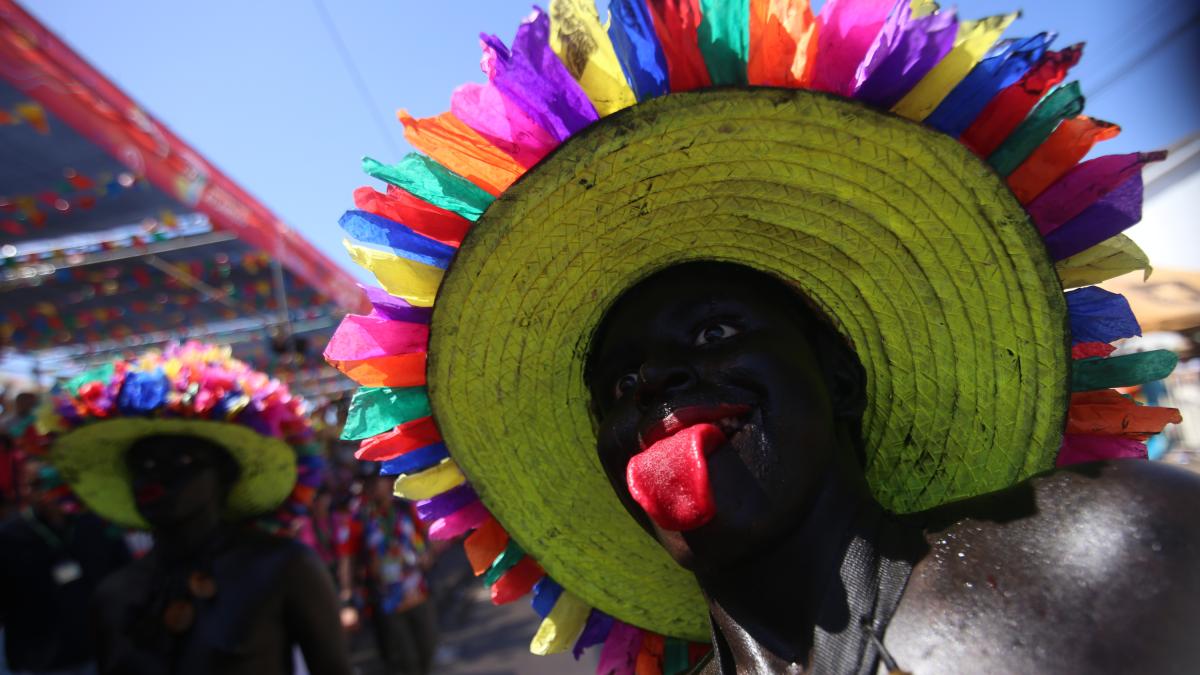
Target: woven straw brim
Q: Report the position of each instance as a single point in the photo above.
(919, 252)
(92, 459)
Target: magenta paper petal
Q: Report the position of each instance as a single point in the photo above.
(489, 112)
(459, 522)
(619, 655)
(846, 29)
(366, 337)
(1079, 448)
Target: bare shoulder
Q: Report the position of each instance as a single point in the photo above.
(1091, 568)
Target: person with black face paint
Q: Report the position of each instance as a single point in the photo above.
(217, 594)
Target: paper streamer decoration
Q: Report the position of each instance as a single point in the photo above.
(375, 410)
(1003, 66)
(724, 39)
(429, 482)
(405, 438)
(677, 25)
(562, 624)
(432, 182)
(619, 655)
(1107, 260)
(1069, 143)
(1122, 371)
(459, 523)
(459, 148)
(782, 48)
(404, 278)
(484, 545)
(414, 461)
(1062, 103)
(1077, 449)
(1110, 215)
(532, 76)
(545, 594)
(1098, 315)
(579, 40)
(372, 229)
(1108, 413)
(637, 48)
(508, 559)
(972, 42)
(1083, 186)
(906, 51)
(502, 122)
(387, 306)
(401, 206)
(516, 582)
(446, 503)
(595, 632)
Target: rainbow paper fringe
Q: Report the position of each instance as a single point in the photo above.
(1003, 99)
(200, 382)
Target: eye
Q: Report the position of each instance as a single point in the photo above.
(714, 333)
(624, 385)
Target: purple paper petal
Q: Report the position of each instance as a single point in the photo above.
(387, 306)
(532, 76)
(1083, 186)
(595, 631)
(446, 503)
(1108, 217)
(906, 52)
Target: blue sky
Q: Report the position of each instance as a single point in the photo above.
(262, 91)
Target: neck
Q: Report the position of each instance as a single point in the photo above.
(187, 539)
(765, 609)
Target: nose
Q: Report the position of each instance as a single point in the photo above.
(658, 377)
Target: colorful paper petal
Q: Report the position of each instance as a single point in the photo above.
(403, 370)
(782, 47)
(1108, 413)
(503, 123)
(582, 45)
(372, 229)
(532, 76)
(429, 482)
(545, 594)
(595, 632)
(384, 305)
(508, 559)
(1107, 260)
(972, 42)
(677, 25)
(1011, 106)
(405, 438)
(619, 655)
(375, 410)
(632, 33)
(846, 29)
(415, 460)
(517, 582)
(415, 213)
(1098, 315)
(484, 545)
(363, 337)
(1004, 65)
(649, 658)
(1091, 350)
(414, 282)
(433, 183)
(1077, 449)
(1122, 371)
(459, 148)
(905, 52)
(1112, 214)
(724, 39)
(440, 506)
(562, 625)
(1083, 186)
(1070, 142)
(1062, 103)
(460, 522)
(675, 657)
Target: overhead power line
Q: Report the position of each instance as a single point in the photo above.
(356, 77)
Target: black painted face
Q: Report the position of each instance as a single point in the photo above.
(707, 336)
(175, 477)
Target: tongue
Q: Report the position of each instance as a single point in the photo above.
(669, 479)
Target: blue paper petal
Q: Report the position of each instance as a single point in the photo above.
(641, 57)
(372, 229)
(411, 462)
(142, 393)
(1100, 316)
(545, 594)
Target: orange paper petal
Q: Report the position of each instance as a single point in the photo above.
(459, 148)
(1107, 413)
(781, 42)
(402, 370)
(649, 659)
(1069, 143)
(484, 544)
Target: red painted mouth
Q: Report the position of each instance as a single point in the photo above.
(149, 493)
(729, 417)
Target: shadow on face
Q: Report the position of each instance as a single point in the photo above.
(177, 477)
(692, 343)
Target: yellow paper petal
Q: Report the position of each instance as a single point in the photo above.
(561, 626)
(1107, 260)
(974, 39)
(923, 8)
(430, 482)
(403, 278)
(581, 42)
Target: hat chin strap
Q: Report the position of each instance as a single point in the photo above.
(669, 479)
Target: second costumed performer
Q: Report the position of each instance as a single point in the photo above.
(746, 338)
